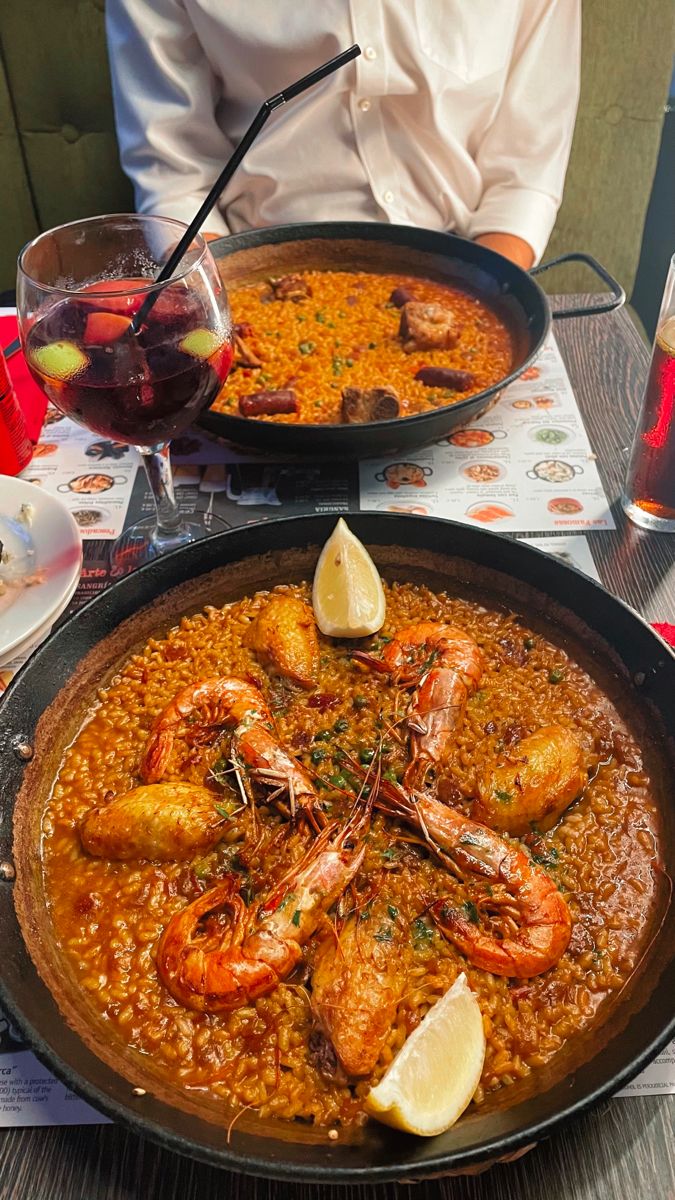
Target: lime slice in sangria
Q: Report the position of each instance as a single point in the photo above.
(59, 360)
(200, 343)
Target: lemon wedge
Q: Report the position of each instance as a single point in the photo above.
(347, 595)
(435, 1074)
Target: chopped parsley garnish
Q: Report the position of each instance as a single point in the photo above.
(471, 911)
(384, 934)
(549, 858)
(393, 911)
(220, 771)
(390, 854)
(503, 797)
(296, 917)
(422, 933)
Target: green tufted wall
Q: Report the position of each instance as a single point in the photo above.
(627, 60)
(58, 132)
(58, 156)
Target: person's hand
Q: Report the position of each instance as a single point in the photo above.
(516, 249)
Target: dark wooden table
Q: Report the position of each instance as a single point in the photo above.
(626, 1148)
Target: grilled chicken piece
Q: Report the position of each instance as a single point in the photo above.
(532, 783)
(285, 635)
(166, 822)
(427, 327)
(290, 287)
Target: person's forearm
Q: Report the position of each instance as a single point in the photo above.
(512, 247)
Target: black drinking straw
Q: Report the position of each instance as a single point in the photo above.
(265, 110)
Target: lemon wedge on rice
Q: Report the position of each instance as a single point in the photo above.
(435, 1074)
(347, 595)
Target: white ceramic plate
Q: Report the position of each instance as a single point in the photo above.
(41, 542)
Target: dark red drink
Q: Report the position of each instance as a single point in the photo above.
(651, 478)
(138, 388)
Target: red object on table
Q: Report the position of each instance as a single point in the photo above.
(666, 630)
(32, 400)
(15, 449)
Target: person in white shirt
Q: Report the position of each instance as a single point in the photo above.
(457, 116)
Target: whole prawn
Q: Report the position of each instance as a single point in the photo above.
(226, 701)
(531, 901)
(445, 665)
(218, 969)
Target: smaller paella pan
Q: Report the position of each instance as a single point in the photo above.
(357, 338)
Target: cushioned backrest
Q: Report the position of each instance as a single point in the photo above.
(57, 69)
(627, 57)
(17, 215)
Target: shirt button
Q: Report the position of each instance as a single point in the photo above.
(364, 105)
(370, 53)
(388, 197)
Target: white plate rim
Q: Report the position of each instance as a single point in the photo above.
(14, 492)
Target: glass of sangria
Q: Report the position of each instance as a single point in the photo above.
(649, 496)
(129, 359)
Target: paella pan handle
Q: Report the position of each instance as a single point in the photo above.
(615, 300)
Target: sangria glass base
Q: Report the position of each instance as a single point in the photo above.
(647, 520)
(144, 542)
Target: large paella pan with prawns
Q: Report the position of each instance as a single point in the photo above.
(271, 856)
(292, 866)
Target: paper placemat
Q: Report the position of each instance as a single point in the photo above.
(525, 466)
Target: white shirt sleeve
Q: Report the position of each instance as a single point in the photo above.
(523, 156)
(165, 97)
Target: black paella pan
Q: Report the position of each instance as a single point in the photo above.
(511, 292)
(45, 705)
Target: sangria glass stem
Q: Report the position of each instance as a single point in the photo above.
(157, 464)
